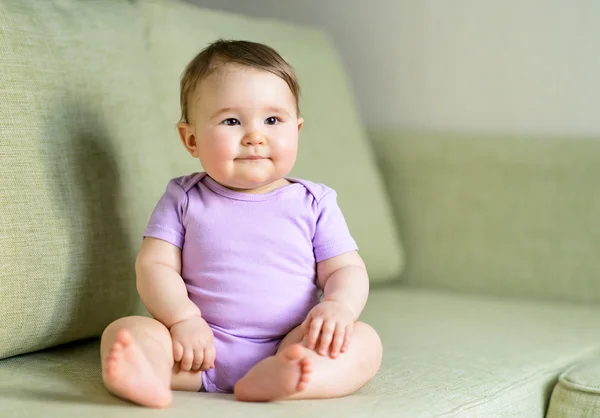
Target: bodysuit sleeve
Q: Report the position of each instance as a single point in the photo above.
(166, 221)
(332, 236)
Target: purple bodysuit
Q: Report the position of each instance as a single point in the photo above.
(249, 261)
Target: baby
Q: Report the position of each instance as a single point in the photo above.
(253, 280)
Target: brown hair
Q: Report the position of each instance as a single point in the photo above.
(246, 53)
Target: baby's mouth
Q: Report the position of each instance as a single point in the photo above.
(252, 158)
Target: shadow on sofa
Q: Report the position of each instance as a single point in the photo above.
(88, 197)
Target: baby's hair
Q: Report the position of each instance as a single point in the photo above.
(246, 53)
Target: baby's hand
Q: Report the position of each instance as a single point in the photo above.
(193, 344)
(333, 322)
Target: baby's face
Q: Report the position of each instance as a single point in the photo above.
(246, 127)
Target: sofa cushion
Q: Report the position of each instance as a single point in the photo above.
(444, 355)
(577, 393)
(497, 214)
(77, 176)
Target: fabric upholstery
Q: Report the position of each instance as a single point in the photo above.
(88, 107)
(75, 183)
(445, 355)
(577, 393)
(506, 216)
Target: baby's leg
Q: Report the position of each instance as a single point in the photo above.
(137, 362)
(297, 372)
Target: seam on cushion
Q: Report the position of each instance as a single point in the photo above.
(494, 396)
(576, 386)
(565, 380)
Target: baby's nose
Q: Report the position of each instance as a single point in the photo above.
(253, 138)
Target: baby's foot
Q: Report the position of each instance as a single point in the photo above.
(127, 373)
(276, 377)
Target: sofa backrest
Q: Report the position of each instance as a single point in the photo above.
(88, 111)
(498, 215)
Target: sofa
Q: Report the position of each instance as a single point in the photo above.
(483, 250)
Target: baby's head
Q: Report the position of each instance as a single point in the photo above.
(240, 114)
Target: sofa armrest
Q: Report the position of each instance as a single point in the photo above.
(577, 393)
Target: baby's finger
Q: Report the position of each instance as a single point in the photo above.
(314, 331)
(206, 363)
(338, 340)
(177, 351)
(198, 359)
(210, 355)
(347, 337)
(326, 336)
(186, 360)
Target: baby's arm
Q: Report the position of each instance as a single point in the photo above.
(344, 279)
(345, 283)
(161, 288)
(159, 282)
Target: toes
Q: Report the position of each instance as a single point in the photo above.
(117, 347)
(113, 357)
(116, 350)
(111, 367)
(304, 376)
(307, 368)
(124, 337)
(305, 372)
(293, 352)
(303, 380)
(306, 363)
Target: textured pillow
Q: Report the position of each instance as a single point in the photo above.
(76, 114)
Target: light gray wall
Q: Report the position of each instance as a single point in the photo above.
(525, 66)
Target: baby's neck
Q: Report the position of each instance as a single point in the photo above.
(263, 189)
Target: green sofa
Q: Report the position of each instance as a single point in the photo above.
(483, 251)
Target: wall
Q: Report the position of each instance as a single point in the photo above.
(530, 66)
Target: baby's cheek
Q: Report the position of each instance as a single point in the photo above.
(287, 148)
(222, 147)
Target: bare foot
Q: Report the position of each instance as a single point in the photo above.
(276, 377)
(128, 374)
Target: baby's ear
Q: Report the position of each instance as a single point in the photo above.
(300, 122)
(187, 135)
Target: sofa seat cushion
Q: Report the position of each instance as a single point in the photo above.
(444, 355)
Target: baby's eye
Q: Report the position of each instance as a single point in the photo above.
(231, 122)
(272, 120)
